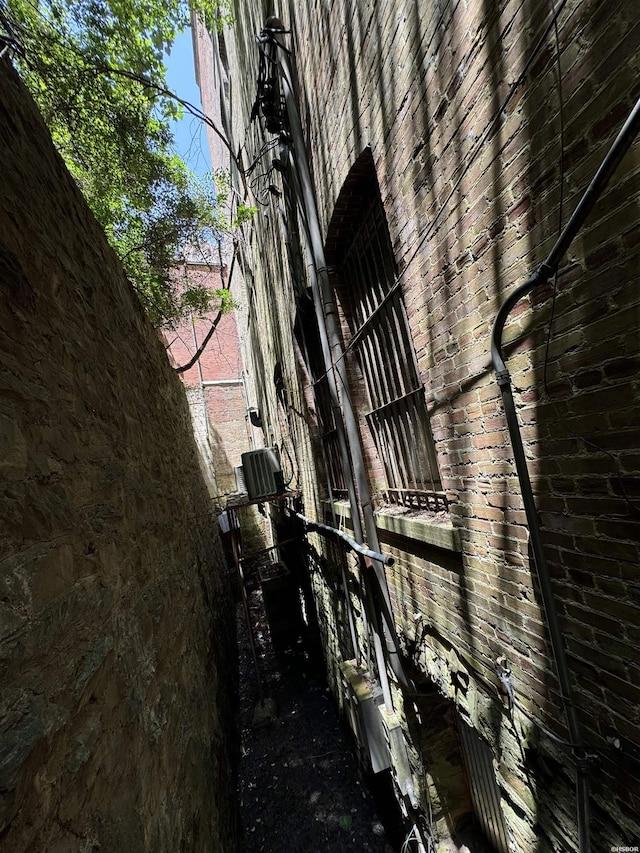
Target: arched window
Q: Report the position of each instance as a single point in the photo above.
(377, 331)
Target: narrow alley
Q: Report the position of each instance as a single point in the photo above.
(320, 472)
(300, 790)
(301, 787)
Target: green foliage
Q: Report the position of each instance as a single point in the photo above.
(95, 68)
(218, 15)
(241, 213)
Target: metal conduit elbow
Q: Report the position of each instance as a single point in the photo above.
(540, 276)
(600, 180)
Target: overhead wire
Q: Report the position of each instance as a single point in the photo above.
(561, 199)
(470, 160)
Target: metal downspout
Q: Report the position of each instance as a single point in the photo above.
(345, 456)
(345, 586)
(337, 415)
(327, 318)
(540, 277)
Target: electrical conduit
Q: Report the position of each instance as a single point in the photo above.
(540, 277)
(326, 312)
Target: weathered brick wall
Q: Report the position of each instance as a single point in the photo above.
(215, 387)
(226, 411)
(221, 358)
(117, 665)
(471, 187)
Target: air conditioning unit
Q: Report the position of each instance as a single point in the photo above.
(262, 473)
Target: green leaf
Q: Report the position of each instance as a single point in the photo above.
(345, 822)
(96, 69)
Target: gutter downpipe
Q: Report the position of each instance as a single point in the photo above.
(617, 151)
(326, 312)
(336, 412)
(345, 586)
(345, 458)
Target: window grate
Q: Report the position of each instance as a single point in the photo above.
(432, 501)
(397, 418)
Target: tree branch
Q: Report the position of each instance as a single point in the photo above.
(65, 42)
(189, 107)
(214, 323)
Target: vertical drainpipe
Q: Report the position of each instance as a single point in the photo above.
(317, 267)
(326, 311)
(345, 587)
(593, 192)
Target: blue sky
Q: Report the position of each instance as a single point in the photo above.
(190, 136)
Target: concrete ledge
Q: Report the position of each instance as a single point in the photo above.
(359, 679)
(422, 528)
(442, 534)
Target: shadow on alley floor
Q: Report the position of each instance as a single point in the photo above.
(299, 784)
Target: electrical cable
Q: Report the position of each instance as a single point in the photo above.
(266, 146)
(561, 199)
(269, 36)
(410, 837)
(471, 157)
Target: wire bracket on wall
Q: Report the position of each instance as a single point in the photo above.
(269, 102)
(504, 674)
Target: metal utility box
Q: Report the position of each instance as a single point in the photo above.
(363, 696)
(262, 473)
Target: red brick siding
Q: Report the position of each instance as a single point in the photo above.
(221, 358)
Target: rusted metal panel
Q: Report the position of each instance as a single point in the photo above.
(485, 792)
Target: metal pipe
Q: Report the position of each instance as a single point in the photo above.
(319, 279)
(333, 396)
(234, 527)
(595, 189)
(327, 315)
(345, 586)
(351, 542)
(345, 439)
(542, 275)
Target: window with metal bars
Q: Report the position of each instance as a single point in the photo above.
(308, 337)
(397, 414)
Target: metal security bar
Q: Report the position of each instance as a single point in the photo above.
(485, 792)
(330, 440)
(432, 501)
(397, 416)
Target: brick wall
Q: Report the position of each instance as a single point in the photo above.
(226, 411)
(215, 386)
(221, 357)
(470, 172)
(116, 649)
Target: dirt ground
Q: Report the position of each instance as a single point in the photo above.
(300, 788)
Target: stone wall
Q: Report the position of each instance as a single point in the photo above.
(117, 672)
(484, 124)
